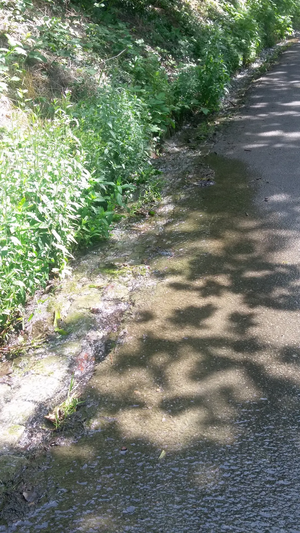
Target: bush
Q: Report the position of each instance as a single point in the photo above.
(42, 180)
(273, 20)
(201, 86)
(114, 132)
(60, 182)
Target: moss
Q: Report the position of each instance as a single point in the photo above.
(15, 431)
(54, 305)
(49, 366)
(69, 348)
(114, 270)
(80, 322)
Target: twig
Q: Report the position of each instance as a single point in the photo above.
(114, 57)
(20, 348)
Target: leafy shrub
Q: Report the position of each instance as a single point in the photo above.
(201, 86)
(242, 35)
(60, 182)
(114, 132)
(42, 180)
(151, 83)
(273, 23)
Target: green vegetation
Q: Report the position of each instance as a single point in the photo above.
(88, 89)
(66, 409)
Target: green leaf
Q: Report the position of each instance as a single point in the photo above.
(162, 455)
(15, 241)
(56, 235)
(36, 55)
(30, 317)
(3, 86)
(21, 203)
(56, 318)
(11, 41)
(20, 51)
(205, 110)
(63, 249)
(61, 331)
(19, 283)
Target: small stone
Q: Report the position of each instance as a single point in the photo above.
(129, 510)
(5, 369)
(30, 496)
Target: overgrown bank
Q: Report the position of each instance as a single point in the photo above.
(95, 86)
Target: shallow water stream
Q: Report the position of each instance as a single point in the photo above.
(193, 423)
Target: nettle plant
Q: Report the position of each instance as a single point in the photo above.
(42, 181)
(201, 85)
(114, 131)
(60, 182)
(13, 57)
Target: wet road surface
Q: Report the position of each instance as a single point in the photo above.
(193, 424)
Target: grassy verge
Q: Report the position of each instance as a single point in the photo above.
(88, 89)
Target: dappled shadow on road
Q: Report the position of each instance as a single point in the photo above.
(203, 395)
(225, 311)
(265, 135)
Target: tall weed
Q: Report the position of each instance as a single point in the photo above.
(114, 132)
(42, 180)
(200, 86)
(60, 182)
